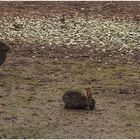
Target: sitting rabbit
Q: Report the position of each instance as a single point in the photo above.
(76, 100)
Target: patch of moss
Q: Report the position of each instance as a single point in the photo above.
(30, 133)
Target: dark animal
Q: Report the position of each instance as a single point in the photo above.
(3, 51)
(76, 100)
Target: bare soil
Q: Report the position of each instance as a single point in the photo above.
(34, 78)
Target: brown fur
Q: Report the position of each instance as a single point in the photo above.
(76, 100)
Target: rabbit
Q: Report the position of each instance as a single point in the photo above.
(3, 51)
(76, 100)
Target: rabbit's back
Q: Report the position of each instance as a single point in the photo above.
(74, 99)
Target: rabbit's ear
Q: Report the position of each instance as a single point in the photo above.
(88, 92)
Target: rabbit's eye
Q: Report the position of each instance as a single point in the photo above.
(91, 101)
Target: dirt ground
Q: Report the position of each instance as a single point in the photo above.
(34, 78)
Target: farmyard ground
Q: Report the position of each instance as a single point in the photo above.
(46, 59)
